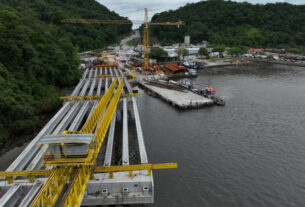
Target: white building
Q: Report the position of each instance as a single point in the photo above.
(171, 52)
(187, 40)
(214, 54)
(192, 50)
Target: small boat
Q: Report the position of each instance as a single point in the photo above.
(218, 101)
(209, 92)
(192, 65)
(185, 83)
(192, 71)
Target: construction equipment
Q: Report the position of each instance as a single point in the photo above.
(70, 156)
(145, 33)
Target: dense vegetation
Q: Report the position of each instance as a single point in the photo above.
(157, 53)
(38, 55)
(235, 24)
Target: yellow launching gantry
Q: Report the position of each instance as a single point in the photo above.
(71, 156)
(145, 35)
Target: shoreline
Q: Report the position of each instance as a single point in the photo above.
(251, 61)
(278, 62)
(22, 140)
(10, 143)
(228, 62)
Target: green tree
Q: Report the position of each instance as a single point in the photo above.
(270, 57)
(220, 49)
(235, 24)
(236, 51)
(203, 51)
(157, 53)
(38, 55)
(182, 52)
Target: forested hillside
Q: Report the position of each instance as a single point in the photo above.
(38, 55)
(235, 24)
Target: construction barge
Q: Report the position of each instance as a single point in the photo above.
(174, 94)
(207, 92)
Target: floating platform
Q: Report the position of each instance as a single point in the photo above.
(182, 99)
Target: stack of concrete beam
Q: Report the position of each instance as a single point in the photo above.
(103, 190)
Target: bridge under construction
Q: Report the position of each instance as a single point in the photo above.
(90, 153)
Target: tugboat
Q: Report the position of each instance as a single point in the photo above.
(210, 93)
(192, 65)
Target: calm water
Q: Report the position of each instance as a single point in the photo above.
(249, 153)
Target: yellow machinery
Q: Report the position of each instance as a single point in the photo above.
(145, 35)
(73, 155)
(77, 168)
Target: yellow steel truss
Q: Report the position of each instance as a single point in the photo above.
(106, 75)
(79, 170)
(90, 124)
(103, 127)
(130, 168)
(106, 66)
(76, 191)
(51, 190)
(28, 173)
(132, 76)
(108, 169)
(83, 98)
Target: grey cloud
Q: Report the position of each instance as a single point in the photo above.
(123, 7)
(134, 9)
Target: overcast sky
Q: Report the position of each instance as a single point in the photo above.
(134, 9)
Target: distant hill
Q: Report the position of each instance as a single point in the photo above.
(38, 55)
(235, 24)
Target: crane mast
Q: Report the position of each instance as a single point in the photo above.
(145, 32)
(146, 41)
(64, 165)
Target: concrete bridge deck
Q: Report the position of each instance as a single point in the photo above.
(123, 145)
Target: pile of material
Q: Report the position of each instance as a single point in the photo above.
(174, 68)
(163, 84)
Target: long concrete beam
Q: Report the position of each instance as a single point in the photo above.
(78, 120)
(125, 146)
(78, 87)
(93, 84)
(35, 163)
(142, 148)
(85, 88)
(122, 189)
(26, 201)
(27, 154)
(90, 73)
(68, 118)
(85, 73)
(109, 148)
(7, 198)
(99, 87)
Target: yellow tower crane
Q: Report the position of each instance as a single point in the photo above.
(72, 159)
(145, 34)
